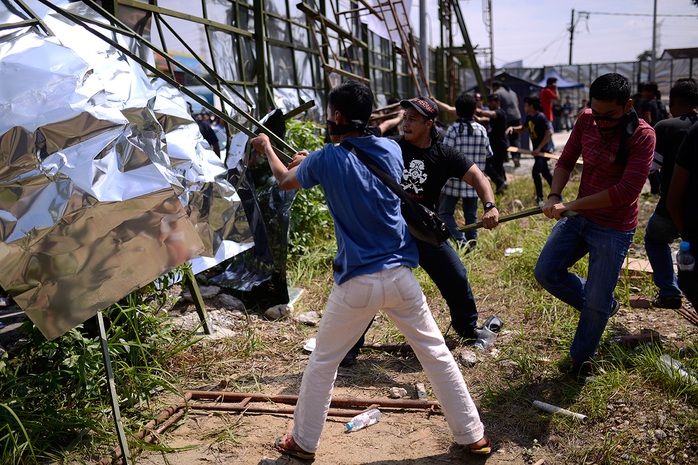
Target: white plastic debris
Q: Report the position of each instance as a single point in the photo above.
(309, 345)
(675, 368)
(554, 409)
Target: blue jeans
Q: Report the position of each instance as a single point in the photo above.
(570, 240)
(659, 234)
(447, 207)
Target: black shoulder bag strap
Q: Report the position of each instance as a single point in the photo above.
(423, 224)
(381, 174)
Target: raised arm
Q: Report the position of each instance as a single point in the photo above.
(286, 178)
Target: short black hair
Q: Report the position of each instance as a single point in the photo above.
(493, 98)
(610, 86)
(685, 90)
(650, 87)
(465, 106)
(354, 100)
(551, 80)
(534, 101)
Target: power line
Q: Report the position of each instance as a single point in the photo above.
(635, 14)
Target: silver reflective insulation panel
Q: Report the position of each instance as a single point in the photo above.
(104, 184)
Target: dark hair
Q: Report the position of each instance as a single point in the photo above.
(534, 101)
(393, 100)
(354, 100)
(685, 90)
(551, 80)
(650, 87)
(610, 86)
(493, 98)
(465, 106)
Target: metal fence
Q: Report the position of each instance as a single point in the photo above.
(270, 55)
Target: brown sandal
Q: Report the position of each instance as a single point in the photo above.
(286, 445)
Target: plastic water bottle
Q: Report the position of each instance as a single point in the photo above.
(684, 258)
(364, 419)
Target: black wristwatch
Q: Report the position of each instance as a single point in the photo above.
(489, 206)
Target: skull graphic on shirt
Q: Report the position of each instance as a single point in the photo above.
(414, 176)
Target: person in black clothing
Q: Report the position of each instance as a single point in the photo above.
(661, 230)
(206, 131)
(651, 112)
(651, 107)
(509, 102)
(541, 132)
(681, 203)
(428, 165)
(498, 141)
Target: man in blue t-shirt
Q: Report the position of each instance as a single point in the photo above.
(375, 254)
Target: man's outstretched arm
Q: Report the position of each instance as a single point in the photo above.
(286, 178)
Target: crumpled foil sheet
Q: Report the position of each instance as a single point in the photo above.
(104, 186)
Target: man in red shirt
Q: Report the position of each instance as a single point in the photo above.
(617, 149)
(548, 95)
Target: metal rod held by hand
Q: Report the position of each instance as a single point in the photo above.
(514, 216)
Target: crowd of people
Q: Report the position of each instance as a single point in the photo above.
(372, 267)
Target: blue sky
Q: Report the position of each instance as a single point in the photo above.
(536, 31)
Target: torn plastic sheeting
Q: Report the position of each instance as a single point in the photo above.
(92, 206)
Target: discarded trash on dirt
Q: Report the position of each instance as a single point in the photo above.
(310, 345)
(513, 251)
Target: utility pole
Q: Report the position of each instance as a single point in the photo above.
(654, 42)
(424, 43)
(489, 23)
(571, 35)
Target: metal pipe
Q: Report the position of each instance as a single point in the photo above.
(554, 409)
(504, 218)
(114, 398)
(223, 396)
(514, 216)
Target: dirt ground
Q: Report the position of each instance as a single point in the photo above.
(404, 436)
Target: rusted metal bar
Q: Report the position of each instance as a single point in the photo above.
(223, 396)
(690, 316)
(222, 403)
(117, 457)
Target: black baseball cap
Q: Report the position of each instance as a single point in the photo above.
(423, 105)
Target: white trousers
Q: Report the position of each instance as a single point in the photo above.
(348, 312)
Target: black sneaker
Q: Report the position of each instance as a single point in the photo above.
(581, 372)
(349, 359)
(667, 301)
(614, 308)
(469, 337)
